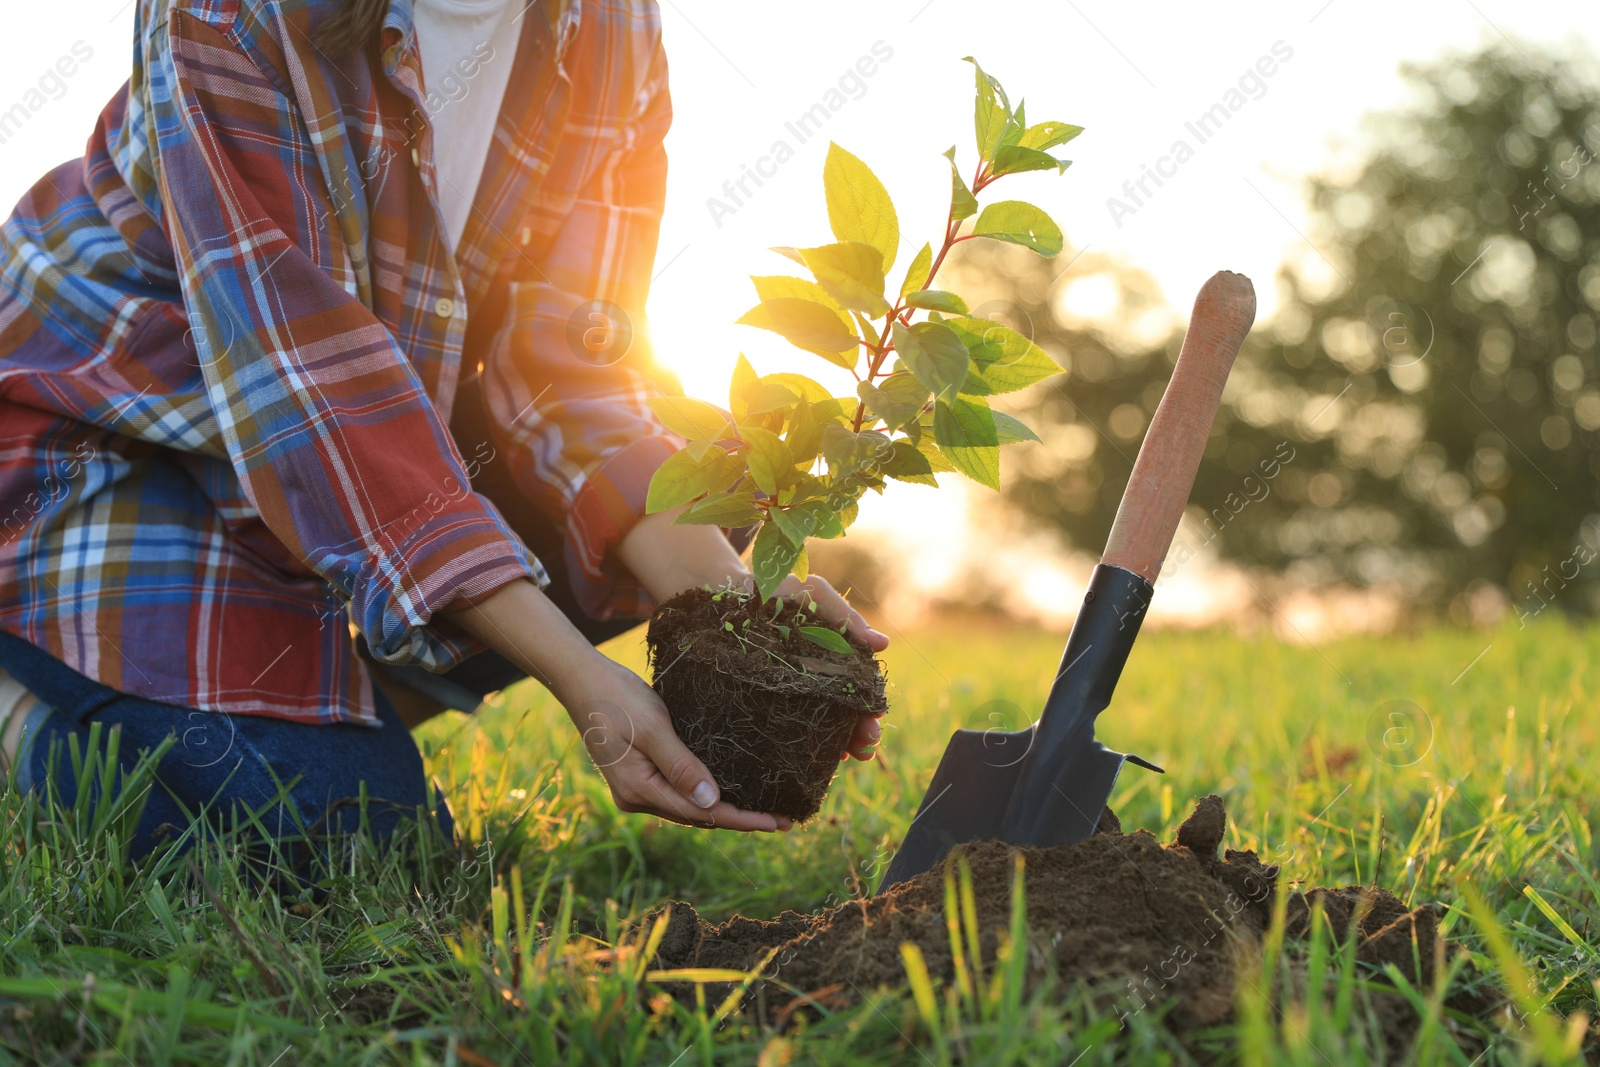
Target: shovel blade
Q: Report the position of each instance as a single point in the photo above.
(973, 797)
(1046, 785)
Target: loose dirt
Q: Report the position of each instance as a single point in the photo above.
(767, 710)
(1138, 923)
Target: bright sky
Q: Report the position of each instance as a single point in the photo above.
(1132, 74)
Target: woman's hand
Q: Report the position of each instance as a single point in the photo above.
(623, 723)
(818, 594)
(629, 735)
(667, 559)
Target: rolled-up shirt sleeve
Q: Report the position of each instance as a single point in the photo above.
(331, 432)
(568, 378)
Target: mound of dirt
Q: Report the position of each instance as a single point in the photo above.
(1139, 923)
(768, 710)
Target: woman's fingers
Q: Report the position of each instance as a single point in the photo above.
(629, 735)
(866, 735)
(638, 785)
(667, 802)
(681, 769)
(677, 786)
(832, 605)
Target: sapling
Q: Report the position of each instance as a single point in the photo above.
(792, 460)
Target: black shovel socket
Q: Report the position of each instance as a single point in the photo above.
(1048, 784)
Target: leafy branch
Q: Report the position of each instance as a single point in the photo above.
(926, 413)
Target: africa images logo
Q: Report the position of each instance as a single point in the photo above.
(1252, 85)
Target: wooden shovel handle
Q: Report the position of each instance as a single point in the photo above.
(1164, 473)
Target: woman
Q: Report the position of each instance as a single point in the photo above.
(301, 404)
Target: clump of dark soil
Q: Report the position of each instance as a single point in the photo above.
(1138, 923)
(765, 708)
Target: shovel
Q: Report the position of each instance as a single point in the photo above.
(1047, 785)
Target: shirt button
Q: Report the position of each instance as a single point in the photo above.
(445, 307)
(416, 158)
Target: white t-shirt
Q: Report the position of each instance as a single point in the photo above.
(467, 47)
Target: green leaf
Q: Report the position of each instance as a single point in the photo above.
(744, 380)
(732, 510)
(691, 418)
(1046, 135)
(864, 326)
(935, 354)
(1019, 223)
(682, 478)
(962, 203)
(801, 569)
(826, 638)
(990, 112)
(908, 464)
(772, 558)
(807, 487)
(773, 286)
(897, 400)
(1003, 360)
(804, 436)
(767, 397)
(848, 452)
(807, 388)
(966, 434)
(917, 273)
(938, 462)
(814, 518)
(859, 208)
(852, 273)
(1009, 430)
(771, 467)
(806, 324)
(1016, 123)
(937, 300)
(1014, 159)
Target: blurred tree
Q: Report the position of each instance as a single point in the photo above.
(1423, 410)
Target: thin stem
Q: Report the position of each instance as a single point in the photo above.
(979, 180)
(949, 243)
(881, 350)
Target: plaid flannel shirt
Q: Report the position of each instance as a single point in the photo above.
(231, 335)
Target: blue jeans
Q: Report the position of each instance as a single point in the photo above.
(221, 762)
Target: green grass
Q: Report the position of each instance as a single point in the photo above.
(523, 949)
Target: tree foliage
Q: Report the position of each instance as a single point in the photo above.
(1426, 399)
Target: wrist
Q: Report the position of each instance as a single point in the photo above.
(667, 558)
(692, 572)
(523, 625)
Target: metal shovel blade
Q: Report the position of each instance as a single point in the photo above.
(1046, 785)
(969, 794)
